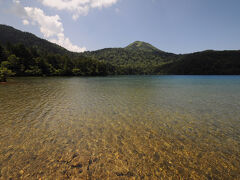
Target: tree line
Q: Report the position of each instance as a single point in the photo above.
(18, 60)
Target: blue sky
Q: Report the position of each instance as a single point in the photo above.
(178, 26)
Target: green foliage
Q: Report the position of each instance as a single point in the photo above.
(28, 55)
(119, 61)
(205, 63)
(15, 63)
(144, 59)
(135, 61)
(2, 54)
(4, 71)
(137, 58)
(9, 34)
(142, 46)
(25, 61)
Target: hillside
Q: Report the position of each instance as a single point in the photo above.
(204, 63)
(29, 55)
(24, 54)
(132, 61)
(140, 57)
(11, 35)
(142, 46)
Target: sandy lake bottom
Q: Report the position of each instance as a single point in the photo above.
(123, 127)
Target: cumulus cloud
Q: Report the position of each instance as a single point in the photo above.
(78, 7)
(51, 27)
(25, 22)
(65, 42)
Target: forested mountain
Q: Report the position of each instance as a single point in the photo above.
(11, 35)
(204, 63)
(137, 58)
(23, 53)
(134, 54)
(142, 58)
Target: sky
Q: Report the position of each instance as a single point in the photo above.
(177, 26)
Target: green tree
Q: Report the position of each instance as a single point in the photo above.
(2, 54)
(4, 71)
(14, 64)
(67, 67)
(77, 72)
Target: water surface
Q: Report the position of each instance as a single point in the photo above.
(123, 127)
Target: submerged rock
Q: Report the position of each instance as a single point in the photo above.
(156, 157)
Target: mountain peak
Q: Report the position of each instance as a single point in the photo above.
(142, 46)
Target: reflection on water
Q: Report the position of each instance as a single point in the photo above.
(127, 127)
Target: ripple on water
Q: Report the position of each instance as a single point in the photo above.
(147, 127)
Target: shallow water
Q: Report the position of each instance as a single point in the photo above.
(124, 127)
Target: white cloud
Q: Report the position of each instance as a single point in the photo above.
(51, 27)
(78, 7)
(65, 42)
(102, 3)
(25, 22)
(16, 1)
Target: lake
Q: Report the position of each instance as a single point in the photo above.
(120, 127)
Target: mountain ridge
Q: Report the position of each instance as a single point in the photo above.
(137, 58)
(9, 34)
